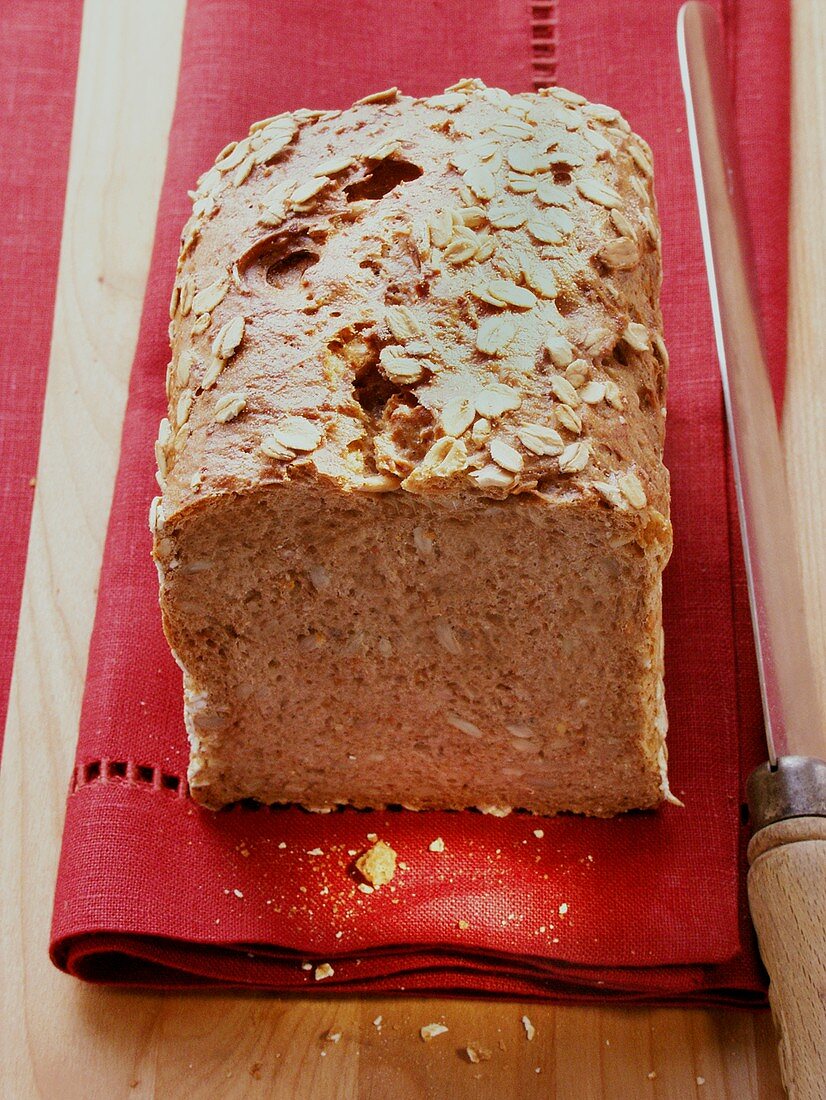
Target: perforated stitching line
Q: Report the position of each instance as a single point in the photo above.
(543, 18)
(129, 772)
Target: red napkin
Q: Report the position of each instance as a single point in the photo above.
(152, 890)
(38, 67)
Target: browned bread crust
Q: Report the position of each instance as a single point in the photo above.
(414, 448)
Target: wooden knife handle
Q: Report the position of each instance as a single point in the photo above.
(787, 897)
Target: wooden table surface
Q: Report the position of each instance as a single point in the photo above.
(60, 1039)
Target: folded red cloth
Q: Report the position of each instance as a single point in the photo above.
(154, 890)
(38, 70)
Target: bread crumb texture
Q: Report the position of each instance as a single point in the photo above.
(377, 865)
(413, 512)
(432, 1031)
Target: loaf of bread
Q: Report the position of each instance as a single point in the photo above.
(413, 512)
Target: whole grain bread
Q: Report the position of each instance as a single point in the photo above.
(413, 512)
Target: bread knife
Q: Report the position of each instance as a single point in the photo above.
(787, 795)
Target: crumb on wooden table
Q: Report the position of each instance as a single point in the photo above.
(430, 1031)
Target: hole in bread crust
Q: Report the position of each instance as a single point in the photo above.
(620, 355)
(279, 261)
(381, 179)
(359, 351)
(373, 390)
(290, 268)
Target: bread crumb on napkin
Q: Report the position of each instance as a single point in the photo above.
(377, 865)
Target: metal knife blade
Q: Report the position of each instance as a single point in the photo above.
(790, 703)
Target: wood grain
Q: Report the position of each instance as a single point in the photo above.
(61, 1039)
(787, 898)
